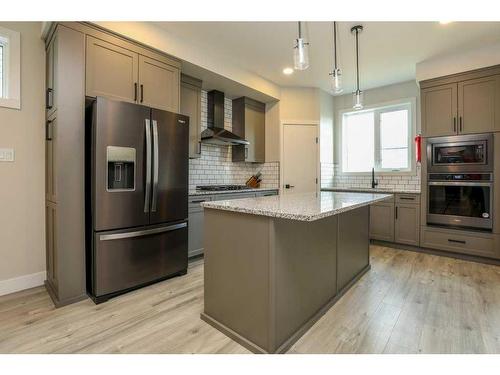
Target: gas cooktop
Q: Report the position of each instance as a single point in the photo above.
(221, 187)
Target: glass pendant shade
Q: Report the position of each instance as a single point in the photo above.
(301, 54)
(337, 81)
(357, 99)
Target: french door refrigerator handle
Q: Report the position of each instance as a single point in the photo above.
(155, 166)
(141, 233)
(147, 189)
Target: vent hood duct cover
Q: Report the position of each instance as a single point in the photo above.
(215, 132)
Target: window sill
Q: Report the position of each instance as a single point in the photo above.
(379, 173)
(10, 103)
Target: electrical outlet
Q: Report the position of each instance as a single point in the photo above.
(6, 154)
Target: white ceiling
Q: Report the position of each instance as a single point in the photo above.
(388, 50)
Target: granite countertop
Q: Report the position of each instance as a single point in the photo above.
(300, 206)
(376, 190)
(194, 193)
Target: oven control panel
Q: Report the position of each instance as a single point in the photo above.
(460, 177)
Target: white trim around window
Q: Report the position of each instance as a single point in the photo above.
(11, 68)
(409, 103)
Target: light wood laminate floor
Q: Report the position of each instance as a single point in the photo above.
(407, 303)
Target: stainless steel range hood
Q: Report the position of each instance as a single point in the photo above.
(215, 133)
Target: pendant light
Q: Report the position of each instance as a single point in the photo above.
(358, 94)
(336, 73)
(301, 50)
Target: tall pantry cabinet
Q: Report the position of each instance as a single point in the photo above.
(64, 150)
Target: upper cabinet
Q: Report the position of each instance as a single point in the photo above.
(461, 104)
(249, 122)
(159, 84)
(117, 71)
(111, 71)
(191, 106)
(439, 110)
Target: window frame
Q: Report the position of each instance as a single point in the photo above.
(410, 104)
(11, 68)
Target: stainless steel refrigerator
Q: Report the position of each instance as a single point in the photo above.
(137, 190)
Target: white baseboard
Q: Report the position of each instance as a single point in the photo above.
(22, 282)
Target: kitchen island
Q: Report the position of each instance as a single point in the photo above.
(274, 265)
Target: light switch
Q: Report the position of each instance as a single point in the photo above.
(6, 154)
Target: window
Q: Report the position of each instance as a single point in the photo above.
(10, 68)
(378, 137)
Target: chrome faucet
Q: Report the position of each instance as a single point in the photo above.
(374, 182)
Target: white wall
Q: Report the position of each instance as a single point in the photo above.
(457, 62)
(22, 218)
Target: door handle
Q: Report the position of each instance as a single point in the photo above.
(48, 133)
(456, 241)
(135, 91)
(396, 212)
(460, 124)
(147, 188)
(141, 233)
(288, 186)
(142, 92)
(155, 166)
(454, 124)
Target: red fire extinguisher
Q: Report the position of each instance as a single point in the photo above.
(418, 148)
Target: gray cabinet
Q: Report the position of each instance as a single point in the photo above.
(159, 84)
(196, 222)
(191, 106)
(111, 71)
(249, 121)
(382, 221)
(64, 158)
(407, 224)
(50, 76)
(396, 220)
(117, 70)
(465, 103)
(439, 110)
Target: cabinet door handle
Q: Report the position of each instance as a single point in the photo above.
(48, 98)
(199, 148)
(460, 124)
(246, 153)
(142, 92)
(135, 91)
(454, 124)
(396, 212)
(407, 198)
(199, 201)
(48, 133)
(457, 241)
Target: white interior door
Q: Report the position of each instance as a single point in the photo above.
(300, 158)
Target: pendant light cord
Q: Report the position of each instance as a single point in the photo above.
(335, 45)
(357, 61)
(300, 31)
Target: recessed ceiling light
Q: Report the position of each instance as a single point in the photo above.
(287, 71)
(445, 22)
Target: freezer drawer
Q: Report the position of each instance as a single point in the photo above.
(129, 259)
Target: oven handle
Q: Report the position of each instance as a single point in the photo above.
(459, 183)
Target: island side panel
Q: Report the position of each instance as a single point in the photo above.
(353, 250)
(237, 275)
(303, 272)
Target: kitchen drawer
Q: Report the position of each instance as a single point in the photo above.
(407, 198)
(471, 243)
(224, 197)
(194, 203)
(266, 193)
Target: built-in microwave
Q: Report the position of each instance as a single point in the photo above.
(460, 153)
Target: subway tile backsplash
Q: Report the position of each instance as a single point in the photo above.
(215, 165)
(409, 182)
